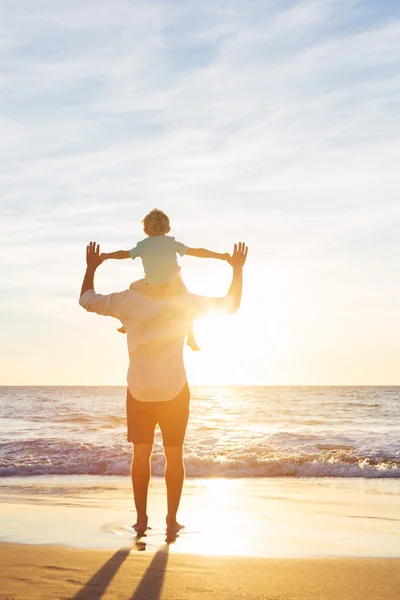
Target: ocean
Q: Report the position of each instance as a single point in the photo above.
(233, 432)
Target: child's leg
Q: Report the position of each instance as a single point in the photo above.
(180, 288)
(190, 341)
(177, 288)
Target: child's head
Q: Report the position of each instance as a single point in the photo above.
(156, 223)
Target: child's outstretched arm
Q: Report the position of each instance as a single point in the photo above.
(118, 254)
(203, 253)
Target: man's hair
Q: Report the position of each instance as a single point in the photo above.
(156, 222)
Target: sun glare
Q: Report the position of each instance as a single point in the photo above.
(217, 521)
(247, 348)
(229, 347)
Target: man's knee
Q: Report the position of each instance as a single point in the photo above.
(173, 454)
(141, 453)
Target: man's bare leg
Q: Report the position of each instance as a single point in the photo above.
(174, 477)
(140, 472)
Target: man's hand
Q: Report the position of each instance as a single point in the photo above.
(93, 256)
(239, 256)
(237, 261)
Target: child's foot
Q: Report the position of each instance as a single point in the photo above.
(121, 329)
(192, 344)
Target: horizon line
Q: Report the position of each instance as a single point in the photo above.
(271, 385)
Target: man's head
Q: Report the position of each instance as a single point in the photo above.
(156, 223)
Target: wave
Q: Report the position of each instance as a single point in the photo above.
(52, 457)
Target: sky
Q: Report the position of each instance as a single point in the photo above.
(270, 122)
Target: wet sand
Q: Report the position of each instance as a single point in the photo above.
(275, 518)
(272, 539)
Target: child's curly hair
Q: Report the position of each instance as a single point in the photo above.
(156, 223)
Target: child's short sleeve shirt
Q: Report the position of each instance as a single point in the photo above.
(158, 254)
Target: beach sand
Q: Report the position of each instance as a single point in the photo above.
(47, 572)
(286, 539)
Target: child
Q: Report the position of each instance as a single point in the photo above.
(158, 253)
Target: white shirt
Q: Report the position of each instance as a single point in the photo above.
(156, 331)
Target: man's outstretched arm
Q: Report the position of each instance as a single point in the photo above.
(93, 260)
(230, 303)
(237, 261)
(109, 305)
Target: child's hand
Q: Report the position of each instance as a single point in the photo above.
(226, 256)
(103, 256)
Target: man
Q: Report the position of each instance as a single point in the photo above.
(157, 391)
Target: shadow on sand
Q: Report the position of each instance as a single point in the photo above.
(152, 582)
(150, 586)
(97, 585)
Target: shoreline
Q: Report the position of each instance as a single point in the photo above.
(267, 539)
(271, 517)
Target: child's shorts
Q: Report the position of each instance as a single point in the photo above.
(176, 287)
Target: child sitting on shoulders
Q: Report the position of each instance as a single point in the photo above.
(158, 253)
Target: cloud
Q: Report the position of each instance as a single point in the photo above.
(270, 121)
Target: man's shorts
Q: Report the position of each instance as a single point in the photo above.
(171, 415)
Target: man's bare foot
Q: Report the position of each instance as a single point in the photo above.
(173, 527)
(140, 526)
(121, 329)
(192, 344)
